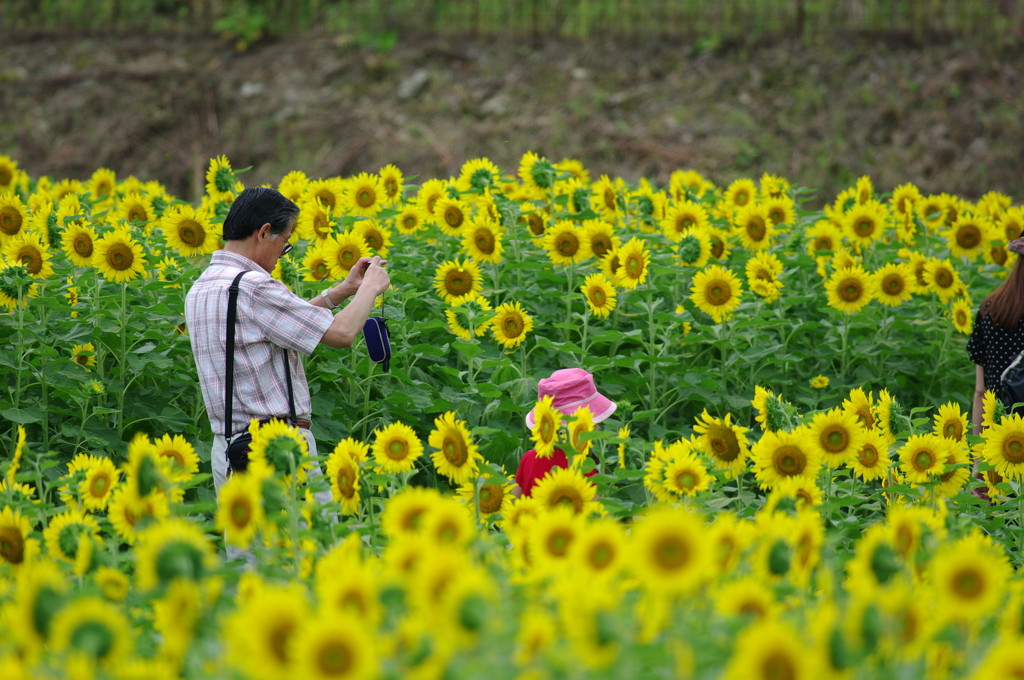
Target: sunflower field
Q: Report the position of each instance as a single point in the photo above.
(784, 491)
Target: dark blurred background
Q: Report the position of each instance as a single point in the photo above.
(819, 91)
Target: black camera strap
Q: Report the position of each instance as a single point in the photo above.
(229, 386)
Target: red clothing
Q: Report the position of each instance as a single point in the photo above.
(532, 469)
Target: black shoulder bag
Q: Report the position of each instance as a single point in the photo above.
(238, 445)
(378, 339)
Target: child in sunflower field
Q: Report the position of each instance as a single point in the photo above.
(570, 389)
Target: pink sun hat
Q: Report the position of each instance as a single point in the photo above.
(571, 389)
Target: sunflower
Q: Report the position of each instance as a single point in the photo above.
(29, 251)
(849, 289)
(293, 185)
(599, 237)
(430, 192)
(686, 475)
(510, 324)
(478, 175)
(823, 236)
(90, 627)
(720, 244)
(376, 237)
(127, 512)
(220, 180)
(600, 294)
(536, 172)
(838, 435)
(65, 532)
(171, 549)
(764, 267)
(780, 454)
(723, 441)
(716, 291)
(343, 252)
(13, 215)
(694, 248)
(188, 230)
(185, 461)
(333, 646)
(409, 220)
(474, 324)
(490, 499)
(343, 471)
(1004, 446)
(957, 471)
(669, 551)
(315, 263)
(893, 283)
(118, 257)
(923, 457)
(135, 208)
(550, 538)
(482, 240)
(458, 281)
(534, 220)
(452, 215)
(405, 513)
(780, 210)
(634, 264)
(391, 181)
(864, 222)
(262, 632)
(746, 597)
(330, 193)
(316, 221)
(682, 218)
(941, 279)
(396, 447)
(363, 195)
(101, 478)
(1003, 659)
(740, 193)
(15, 544)
(240, 512)
(565, 243)
(950, 422)
(599, 550)
(8, 173)
(568, 487)
(84, 355)
(546, 422)
(455, 456)
(969, 236)
(754, 227)
(969, 577)
(871, 461)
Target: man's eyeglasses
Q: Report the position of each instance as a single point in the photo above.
(287, 249)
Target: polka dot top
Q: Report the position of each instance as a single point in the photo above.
(993, 347)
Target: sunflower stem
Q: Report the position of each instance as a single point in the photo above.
(653, 370)
(122, 359)
(844, 355)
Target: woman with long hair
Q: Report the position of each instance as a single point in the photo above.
(998, 335)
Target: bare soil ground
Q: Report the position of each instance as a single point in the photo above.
(947, 117)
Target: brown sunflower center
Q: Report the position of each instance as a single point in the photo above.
(567, 244)
(671, 553)
(717, 247)
(82, 244)
(99, 485)
(191, 233)
(835, 439)
(373, 238)
(686, 480)
(756, 228)
(868, 456)
(893, 284)
(1013, 449)
(137, 213)
(348, 256)
(12, 545)
(850, 290)
(724, 444)
(397, 449)
(120, 257)
(535, 223)
(391, 187)
(598, 297)
(10, 220)
(279, 639)
(864, 227)
(558, 542)
(31, 258)
(789, 460)
(546, 428)
(967, 583)
(484, 240)
(601, 554)
(741, 198)
(778, 666)
(634, 266)
(684, 223)
(326, 198)
(718, 292)
(453, 216)
(241, 512)
(346, 479)
(512, 326)
(455, 451)
(319, 270)
(923, 460)
(968, 236)
(600, 244)
(321, 226)
(943, 278)
(458, 282)
(491, 496)
(567, 495)
(823, 243)
(953, 429)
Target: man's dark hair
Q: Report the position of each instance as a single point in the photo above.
(255, 207)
